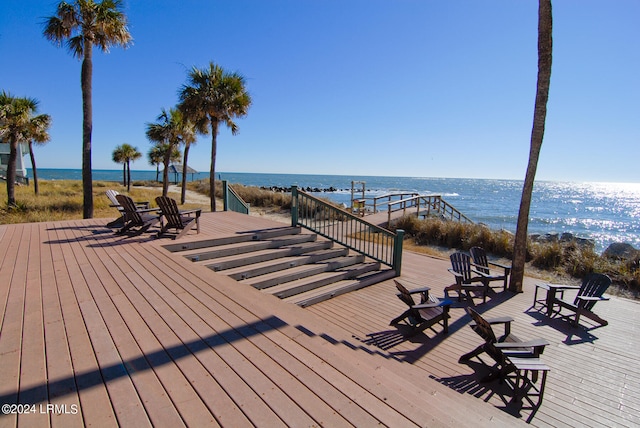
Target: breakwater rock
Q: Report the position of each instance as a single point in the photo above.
(621, 251)
(563, 238)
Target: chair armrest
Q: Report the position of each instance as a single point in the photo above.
(498, 320)
(419, 290)
(534, 343)
(440, 303)
(148, 210)
(591, 298)
(563, 287)
(505, 267)
(197, 211)
(456, 274)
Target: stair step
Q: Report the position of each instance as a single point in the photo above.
(248, 247)
(256, 235)
(320, 280)
(318, 295)
(246, 259)
(303, 271)
(269, 266)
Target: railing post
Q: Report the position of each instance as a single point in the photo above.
(225, 194)
(294, 206)
(397, 251)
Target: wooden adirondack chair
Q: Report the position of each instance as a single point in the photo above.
(173, 218)
(467, 279)
(589, 293)
(136, 219)
(511, 355)
(427, 313)
(111, 195)
(483, 265)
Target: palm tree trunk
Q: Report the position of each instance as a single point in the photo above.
(545, 45)
(165, 173)
(183, 195)
(87, 126)
(11, 173)
(32, 156)
(128, 176)
(212, 170)
(124, 174)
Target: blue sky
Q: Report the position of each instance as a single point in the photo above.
(418, 88)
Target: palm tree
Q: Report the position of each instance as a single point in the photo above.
(84, 24)
(38, 134)
(125, 154)
(18, 125)
(118, 157)
(545, 47)
(210, 97)
(155, 157)
(167, 133)
(188, 138)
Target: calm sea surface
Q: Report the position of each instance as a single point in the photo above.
(604, 212)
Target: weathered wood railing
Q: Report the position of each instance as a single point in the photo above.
(346, 229)
(426, 205)
(233, 201)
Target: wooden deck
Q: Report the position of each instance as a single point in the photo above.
(103, 330)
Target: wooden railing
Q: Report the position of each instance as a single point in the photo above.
(233, 201)
(346, 229)
(427, 205)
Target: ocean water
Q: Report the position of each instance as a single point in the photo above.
(604, 212)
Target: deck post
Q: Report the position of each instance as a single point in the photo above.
(225, 194)
(294, 206)
(397, 251)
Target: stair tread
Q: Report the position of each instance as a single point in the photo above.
(285, 262)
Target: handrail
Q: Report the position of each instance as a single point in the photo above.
(428, 203)
(389, 199)
(233, 201)
(346, 229)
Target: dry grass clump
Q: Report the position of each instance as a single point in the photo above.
(253, 195)
(62, 200)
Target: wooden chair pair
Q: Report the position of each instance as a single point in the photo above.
(473, 273)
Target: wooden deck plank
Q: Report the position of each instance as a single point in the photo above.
(12, 322)
(33, 369)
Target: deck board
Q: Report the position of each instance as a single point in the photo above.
(130, 334)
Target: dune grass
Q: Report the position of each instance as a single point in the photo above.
(62, 200)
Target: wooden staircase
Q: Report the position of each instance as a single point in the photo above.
(297, 267)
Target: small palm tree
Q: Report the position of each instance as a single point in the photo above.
(38, 134)
(167, 133)
(545, 48)
(125, 154)
(84, 24)
(210, 97)
(19, 125)
(188, 138)
(155, 157)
